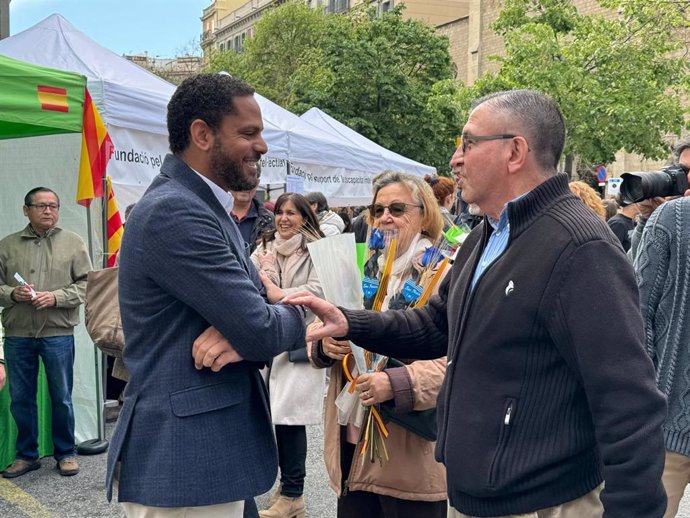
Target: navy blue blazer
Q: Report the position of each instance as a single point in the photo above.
(190, 437)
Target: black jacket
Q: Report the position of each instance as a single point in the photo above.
(548, 389)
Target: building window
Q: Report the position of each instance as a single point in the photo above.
(385, 6)
(338, 6)
(222, 47)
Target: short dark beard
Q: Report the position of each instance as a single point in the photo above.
(231, 171)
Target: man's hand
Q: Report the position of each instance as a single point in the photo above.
(44, 299)
(646, 207)
(22, 293)
(211, 349)
(374, 388)
(2, 375)
(335, 349)
(334, 322)
(273, 292)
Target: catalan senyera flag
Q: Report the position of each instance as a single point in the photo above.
(115, 226)
(96, 148)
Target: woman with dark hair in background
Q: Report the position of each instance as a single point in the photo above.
(295, 388)
(331, 224)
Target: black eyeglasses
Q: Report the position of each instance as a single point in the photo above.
(467, 139)
(42, 207)
(396, 209)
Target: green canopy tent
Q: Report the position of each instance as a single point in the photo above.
(36, 101)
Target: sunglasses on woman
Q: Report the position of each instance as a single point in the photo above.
(396, 209)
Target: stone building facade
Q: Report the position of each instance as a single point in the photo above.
(174, 70)
(227, 23)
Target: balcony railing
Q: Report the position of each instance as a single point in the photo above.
(245, 10)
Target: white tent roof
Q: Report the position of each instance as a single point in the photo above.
(312, 145)
(129, 96)
(133, 103)
(394, 161)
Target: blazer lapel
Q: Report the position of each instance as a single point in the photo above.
(178, 171)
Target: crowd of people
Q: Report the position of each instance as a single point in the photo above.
(550, 357)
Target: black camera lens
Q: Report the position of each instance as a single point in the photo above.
(641, 186)
(670, 181)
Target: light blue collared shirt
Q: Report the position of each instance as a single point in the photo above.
(497, 243)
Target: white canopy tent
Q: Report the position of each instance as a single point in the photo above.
(133, 105)
(341, 169)
(393, 160)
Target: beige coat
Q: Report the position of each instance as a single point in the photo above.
(411, 473)
(57, 262)
(295, 389)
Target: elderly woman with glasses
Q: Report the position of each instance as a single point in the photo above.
(410, 483)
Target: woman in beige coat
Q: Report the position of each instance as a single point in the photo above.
(411, 483)
(295, 389)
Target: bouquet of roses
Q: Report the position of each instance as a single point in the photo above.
(417, 280)
(407, 282)
(335, 261)
(382, 248)
(410, 278)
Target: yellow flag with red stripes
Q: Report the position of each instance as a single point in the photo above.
(115, 226)
(96, 148)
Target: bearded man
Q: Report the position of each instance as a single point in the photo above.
(194, 436)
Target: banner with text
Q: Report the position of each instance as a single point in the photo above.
(135, 162)
(342, 187)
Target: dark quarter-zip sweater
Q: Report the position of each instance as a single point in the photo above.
(548, 390)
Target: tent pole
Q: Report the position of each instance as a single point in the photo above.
(100, 444)
(100, 360)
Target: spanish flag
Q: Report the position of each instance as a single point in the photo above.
(115, 227)
(53, 98)
(96, 148)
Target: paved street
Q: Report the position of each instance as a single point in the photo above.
(45, 494)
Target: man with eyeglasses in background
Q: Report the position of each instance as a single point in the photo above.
(42, 284)
(549, 406)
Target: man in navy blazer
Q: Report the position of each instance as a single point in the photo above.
(197, 432)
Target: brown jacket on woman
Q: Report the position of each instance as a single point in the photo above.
(411, 473)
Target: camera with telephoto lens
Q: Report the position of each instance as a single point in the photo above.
(670, 181)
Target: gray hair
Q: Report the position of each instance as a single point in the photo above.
(679, 147)
(538, 116)
(432, 221)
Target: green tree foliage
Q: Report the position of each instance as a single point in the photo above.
(385, 77)
(620, 81)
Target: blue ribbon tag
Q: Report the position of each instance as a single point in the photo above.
(411, 290)
(369, 287)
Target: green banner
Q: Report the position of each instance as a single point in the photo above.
(9, 429)
(38, 100)
(362, 253)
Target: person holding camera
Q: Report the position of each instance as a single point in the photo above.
(662, 267)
